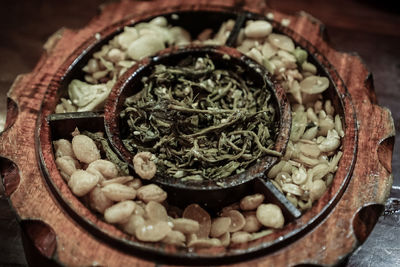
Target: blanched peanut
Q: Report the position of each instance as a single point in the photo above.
(139, 210)
(256, 55)
(152, 232)
(258, 29)
(106, 168)
(317, 189)
(92, 66)
(276, 169)
(338, 125)
(186, 226)
(151, 192)
(129, 35)
(135, 184)
(331, 142)
(120, 212)
(334, 162)
(144, 166)
(270, 215)
(220, 226)
(118, 180)
(174, 238)
(310, 150)
(325, 125)
(329, 109)
(62, 148)
(197, 213)
(311, 115)
(240, 237)
(299, 176)
(320, 171)
(133, 223)
(268, 50)
(281, 41)
(156, 212)
(115, 55)
(85, 149)
(159, 21)
(145, 46)
(293, 189)
(98, 201)
(252, 224)
(67, 166)
(82, 182)
(237, 220)
(119, 192)
(310, 133)
(251, 202)
(314, 84)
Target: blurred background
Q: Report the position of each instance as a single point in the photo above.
(370, 28)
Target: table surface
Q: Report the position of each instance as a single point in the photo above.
(369, 27)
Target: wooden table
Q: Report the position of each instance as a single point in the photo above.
(369, 27)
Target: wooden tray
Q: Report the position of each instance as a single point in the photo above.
(64, 230)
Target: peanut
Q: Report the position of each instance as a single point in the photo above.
(151, 192)
(82, 182)
(85, 149)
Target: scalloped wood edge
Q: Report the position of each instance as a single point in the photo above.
(372, 168)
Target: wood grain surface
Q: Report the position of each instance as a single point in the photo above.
(25, 26)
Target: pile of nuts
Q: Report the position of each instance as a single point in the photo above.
(307, 169)
(122, 52)
(142, 210)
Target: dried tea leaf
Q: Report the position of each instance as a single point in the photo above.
(200, 122)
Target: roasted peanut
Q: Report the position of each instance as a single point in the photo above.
(151, 192)
(82, 182)
(118, 180)
(98, 201)
(252, 224)
(106, 168)
(119, 192)
(152, 232)
(144, 166)
(85, 149)
(156, 212)
(133, 223)
(240, 237)
(186, 226)
(270, 215)
(175, 238)
(220, 226)
(120, 212)
(67, 166)
(225, 239)
(251, 202)
(135, 183)
(62, 148)
(237, 220)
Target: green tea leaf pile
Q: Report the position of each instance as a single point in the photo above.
(199, 121)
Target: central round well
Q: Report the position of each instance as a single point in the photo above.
(209, 193)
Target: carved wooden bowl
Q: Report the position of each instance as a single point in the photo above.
(66, 231)
(207, 193)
